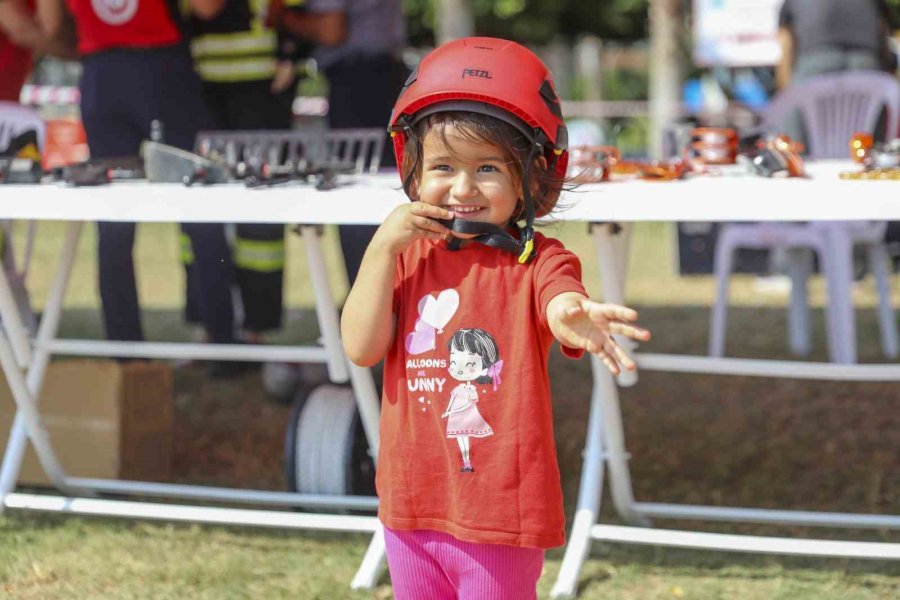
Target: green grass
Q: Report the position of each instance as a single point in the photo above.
(698, 439)
(54, 557)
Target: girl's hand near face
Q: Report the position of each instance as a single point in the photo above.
(367, 321)
(410, 222)
(368, 325)
(578, 322)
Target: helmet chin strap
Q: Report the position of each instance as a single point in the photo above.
(495, 236)
(485, 233)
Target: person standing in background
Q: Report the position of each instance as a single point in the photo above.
(826, 36)
(137, 69)
(360, 51)
(249, 76)
(21, 37)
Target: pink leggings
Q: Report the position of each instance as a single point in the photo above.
(431, 565)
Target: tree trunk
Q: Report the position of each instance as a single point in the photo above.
(587, 65)
(665, 70)
(454, 20)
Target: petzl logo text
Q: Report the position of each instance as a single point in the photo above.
(482, 73)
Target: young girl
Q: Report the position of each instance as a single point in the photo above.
(481, 145)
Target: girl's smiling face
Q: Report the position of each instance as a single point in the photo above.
(472, 179)
(465, 366)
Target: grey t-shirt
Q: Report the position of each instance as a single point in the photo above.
(373, 27)
(842, 24)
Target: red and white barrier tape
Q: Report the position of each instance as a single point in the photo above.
(45, 95)
(48, 95)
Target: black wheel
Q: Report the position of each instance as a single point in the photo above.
(326, 451)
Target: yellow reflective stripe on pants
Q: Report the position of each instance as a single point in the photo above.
(221, 45)
(187, 251)
(239, 69)
(259, 256)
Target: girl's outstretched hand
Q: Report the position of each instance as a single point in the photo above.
(578, 322)
(409, 222)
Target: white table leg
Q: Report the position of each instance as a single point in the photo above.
(609, 258)
(340, 370)
(26, 408)
(30, 391)
(614, 446)
(800, 269)
(604, 431)
(880, 264)
(621, 246)
(611, 241)
(840, 294)
(589, 496)
(369, 411)
(367, 402)
(325, 310)
(12, 322)
(373, 562)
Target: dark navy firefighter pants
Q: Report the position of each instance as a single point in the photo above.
(122, 91)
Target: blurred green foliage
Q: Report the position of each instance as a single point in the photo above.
(541, 21)
(894, 12)
(625, 84)
(538, 21)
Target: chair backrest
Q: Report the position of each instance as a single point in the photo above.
(835, 106)
(16, 119)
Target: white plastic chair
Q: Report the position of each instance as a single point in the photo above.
(16, 119)
(832, 107)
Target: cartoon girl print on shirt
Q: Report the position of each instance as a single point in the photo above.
(474, 357)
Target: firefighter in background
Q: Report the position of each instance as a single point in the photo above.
(136, 69)
(359, 44)
(250, 75)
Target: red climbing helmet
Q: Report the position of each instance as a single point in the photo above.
(495, 77)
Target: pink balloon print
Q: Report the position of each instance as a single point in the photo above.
(434, 313)
(421, 340)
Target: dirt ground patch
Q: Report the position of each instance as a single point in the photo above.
(717, 440)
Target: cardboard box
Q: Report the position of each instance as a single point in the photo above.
(105, 419)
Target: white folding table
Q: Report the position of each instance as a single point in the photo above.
(25, 361)
(822, 197)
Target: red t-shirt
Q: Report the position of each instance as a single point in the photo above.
(110, 24)
(433, 405)
(15, 65)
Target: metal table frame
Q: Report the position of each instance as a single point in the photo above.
(24, 363)
(368, 201)
(605, 452)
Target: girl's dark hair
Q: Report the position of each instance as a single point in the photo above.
(476, 341)
(476, 127)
